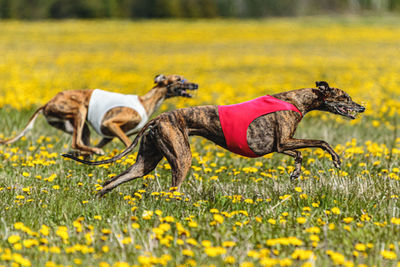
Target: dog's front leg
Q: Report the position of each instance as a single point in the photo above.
(292, 143)
(285, 141)
(118, 132)
(298, 159)
(77, 141)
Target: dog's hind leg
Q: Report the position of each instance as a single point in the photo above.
(104, 141)
(86, 135)
(174, 145)
(147, 159)
(298, 159)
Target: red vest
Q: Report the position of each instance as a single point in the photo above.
(235, 119)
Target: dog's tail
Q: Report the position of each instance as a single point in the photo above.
(28, 127)
(116, 157)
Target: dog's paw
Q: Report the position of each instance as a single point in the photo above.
(99, 152)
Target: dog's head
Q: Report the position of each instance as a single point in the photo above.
(337, 101)
(176, 85)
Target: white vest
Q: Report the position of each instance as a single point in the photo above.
(102, 101)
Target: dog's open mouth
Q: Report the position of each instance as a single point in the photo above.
(346, 112)
(184, 91)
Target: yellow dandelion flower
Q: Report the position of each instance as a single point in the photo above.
(301, 220)
(389, 255)
(12, 239)
(218, 218)
(360, 247)
(335, 210)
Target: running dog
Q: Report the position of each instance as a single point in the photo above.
(252, 129)
(110, 114)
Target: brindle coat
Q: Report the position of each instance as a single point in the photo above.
(67, 111)
(168, 134)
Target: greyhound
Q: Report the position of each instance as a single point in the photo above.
(110, 114)
(265, 131)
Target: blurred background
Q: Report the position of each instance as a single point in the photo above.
(55, 9)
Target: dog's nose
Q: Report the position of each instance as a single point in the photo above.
(362, 109)
(195, 86)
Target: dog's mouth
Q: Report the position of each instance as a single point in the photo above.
(348, 112)
(183, 91)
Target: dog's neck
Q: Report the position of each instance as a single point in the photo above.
(153, 99)
(305, 100)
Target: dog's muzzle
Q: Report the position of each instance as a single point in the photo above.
(349, 111)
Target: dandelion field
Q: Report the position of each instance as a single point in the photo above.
(231, 211)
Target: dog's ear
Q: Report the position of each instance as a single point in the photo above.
(322, 85)
(159, 78)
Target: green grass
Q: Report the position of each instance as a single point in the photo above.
(225, 197)
(259, 194)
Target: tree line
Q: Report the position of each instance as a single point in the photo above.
(59, 9)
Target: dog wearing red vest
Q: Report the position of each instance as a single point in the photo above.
(251, 129)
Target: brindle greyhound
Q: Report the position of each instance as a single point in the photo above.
(168, 134)
(68, 111)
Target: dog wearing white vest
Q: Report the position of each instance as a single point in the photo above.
(110, 114)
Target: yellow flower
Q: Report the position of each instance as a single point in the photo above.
(228, 244)
(395, 220)
(30, 243)
(44, 230)
(206, 243)
(246, 264)
(337, 258)
(135, 225)
(12, 239)
(62, 231)
(192, 242)
(314, 238)
(192, 224)
(335, 210)
(106, 231)
(188, 252)
(301, 220)
(214, 251)
(313, 230)
(218, 218)
(147, 214)
(229, 260)
(360, 247)
(348, 219)
(301, 254)
(389, 255)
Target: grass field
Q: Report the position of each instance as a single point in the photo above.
(231, 210)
